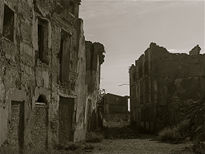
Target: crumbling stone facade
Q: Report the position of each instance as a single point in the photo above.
(94, 59)
(160, 82)
(43, 87)
(115, 112)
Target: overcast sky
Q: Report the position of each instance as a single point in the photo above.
(126, 28)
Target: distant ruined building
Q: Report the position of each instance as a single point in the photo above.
(49, 75)
(162, 82)
(115, 111)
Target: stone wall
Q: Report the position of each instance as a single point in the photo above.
(31, 72)
(39, 127)
(81, 86)
(94, 59)
(160, 79)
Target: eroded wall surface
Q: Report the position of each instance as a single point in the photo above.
(94, 59)
(81, 86)
(36, 78)
(160, 81)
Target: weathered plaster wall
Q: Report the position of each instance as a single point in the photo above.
(13, 84)
(94, 59)
(24, 77)
(81, 86)
(160, 79)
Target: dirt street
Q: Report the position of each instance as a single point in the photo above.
(137, 146)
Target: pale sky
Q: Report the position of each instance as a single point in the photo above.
(126, 28)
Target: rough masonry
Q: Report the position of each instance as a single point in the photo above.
(44, 75)
(161, 82)
(94, 58)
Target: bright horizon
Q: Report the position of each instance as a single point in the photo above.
(126, 28)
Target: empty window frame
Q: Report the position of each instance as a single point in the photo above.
(42, 100)
(8, 23)
(43, 40)
(64, 56)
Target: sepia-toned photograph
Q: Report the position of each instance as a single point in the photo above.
(102, 76)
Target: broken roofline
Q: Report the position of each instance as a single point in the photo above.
(153, 46)
(97, 44)
(58, 7)
(97, 47)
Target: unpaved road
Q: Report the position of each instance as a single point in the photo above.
(137, 146)
(118, 146)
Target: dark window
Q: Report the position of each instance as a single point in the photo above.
(42, 99)
(8, 23)
(43, 40)
(64, 56)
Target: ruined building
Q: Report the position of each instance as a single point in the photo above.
(115, 112)
(45, 73)
(160, 82)
(94, 59)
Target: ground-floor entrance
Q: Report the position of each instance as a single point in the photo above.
(66, 110)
